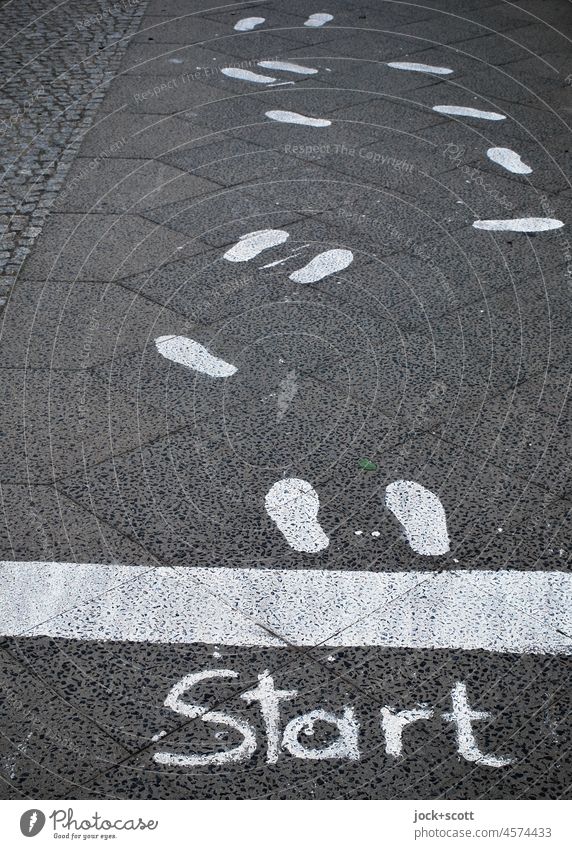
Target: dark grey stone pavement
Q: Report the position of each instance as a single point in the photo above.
(442, 353)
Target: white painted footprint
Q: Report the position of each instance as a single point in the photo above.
(507, 158)
(318, 19)
(323, 265)
(252, 244)
(519, 225)
(247, 76)
(420, 68)
(290, 67)
(422, 516)
(293, 505)
(468, 112)
(246, 24)
(193, 355)
(285, 117)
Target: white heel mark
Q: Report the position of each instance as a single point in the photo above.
(247, 76)
(422, 69)
(318, 19)
(323, 265)
(187, 352)
(295, 118)
(287, 66)
(248, 23)
(507, 158)
(421, 515)
(468, 112)
(293, 505)
(252, 244)
(520, 225)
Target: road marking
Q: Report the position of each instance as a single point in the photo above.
(193, 355)
(501, 611)
(247, 76)
(248, 23)
(295, 118)
(520, 225)
(252, 244)
(293, 505)
(323, 265)
(273, 65)
(421, 515)
(318, 19)
(507, 158)
(468, 112)
(422, 69)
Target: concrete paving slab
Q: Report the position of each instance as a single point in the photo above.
(518, 438)
(140, 136)
(257, 45)
(45, 743)
(38, 521)
(75, 325)
(92, 247)
(154, 94)
(200, 61)
(224, 217)
(44, 441)
(188, 28)
(134, 185)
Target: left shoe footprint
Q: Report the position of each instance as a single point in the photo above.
(293, 505)
(421, 515)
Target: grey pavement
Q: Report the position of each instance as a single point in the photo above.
(441, 354)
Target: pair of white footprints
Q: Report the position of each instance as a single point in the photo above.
(323, 265)
(318, 19)
(293, 505)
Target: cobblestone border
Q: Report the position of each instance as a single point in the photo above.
(25, 227)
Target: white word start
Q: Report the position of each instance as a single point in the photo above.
(345, 745)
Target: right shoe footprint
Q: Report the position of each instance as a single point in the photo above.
(322, 265)
(421, 515)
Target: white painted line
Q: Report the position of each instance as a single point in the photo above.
(520, 225)
(507, 158)
(247, 76)
(295, 118)
(421, 515)
(422, 69)
(292, 67)
(246, 24)
(193, 355)
(502, 611)
(323, 265)
(296, 253)
(252, 244)
(318, 19)
(293, 505)
(469, 112)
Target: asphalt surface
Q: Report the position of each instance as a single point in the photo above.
(440, 354)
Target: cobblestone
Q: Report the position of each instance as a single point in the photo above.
(56, 68)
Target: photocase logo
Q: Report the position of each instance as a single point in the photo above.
(32, 822)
